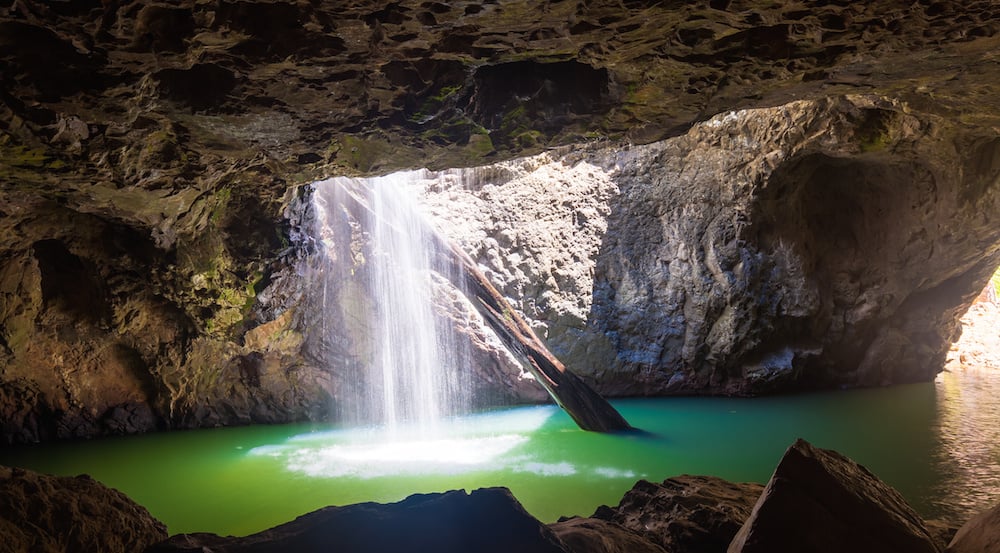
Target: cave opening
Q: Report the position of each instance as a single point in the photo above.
(533, 449)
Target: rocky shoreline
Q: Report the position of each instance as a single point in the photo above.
(817, 500)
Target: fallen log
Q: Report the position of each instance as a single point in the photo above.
(588, 409)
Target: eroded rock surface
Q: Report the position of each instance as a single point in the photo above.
(818, 500)
(696, 514)
(42, 513)
(149, 154)
(811, 244)
(592, 535)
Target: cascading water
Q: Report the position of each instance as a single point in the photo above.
(378, 273)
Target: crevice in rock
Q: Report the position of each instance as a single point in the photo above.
(201, 86)
(513, 100)
(68, 284)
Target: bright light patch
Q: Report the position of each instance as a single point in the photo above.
(373, 460)
(547, 469)
(462, 445)
(611, 472)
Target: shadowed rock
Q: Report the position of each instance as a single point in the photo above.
(693, 514)
(592, 535)
(820, 501)
(42, 513)
(486, 520)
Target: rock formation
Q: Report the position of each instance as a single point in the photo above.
(979, 535)
(810, 244)
(42, 514)
(592, 535)
(818, 500)
(694, 514)
(152, 158)
(488, 520)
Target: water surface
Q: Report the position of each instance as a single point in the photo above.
(936, 443)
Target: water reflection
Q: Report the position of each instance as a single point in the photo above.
(968, 436)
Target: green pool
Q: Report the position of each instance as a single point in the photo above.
(919, 438)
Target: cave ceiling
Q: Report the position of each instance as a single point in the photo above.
(112, 106)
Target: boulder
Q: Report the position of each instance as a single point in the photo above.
(42, 513)
(981, 534)
(820, 501)
(486, 520)
(690, 514)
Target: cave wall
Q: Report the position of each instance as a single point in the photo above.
(813, 244)
(152, 158)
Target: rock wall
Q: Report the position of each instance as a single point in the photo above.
(810, 244)
(149, 154)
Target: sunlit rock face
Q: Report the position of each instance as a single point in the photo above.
(152, 158)
(811, 244)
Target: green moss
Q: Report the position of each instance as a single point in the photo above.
(359, 153)
(873, 133)
(874, 143)
(514, 118)
(222, 198)
(446, 92)
(527, 139)
(13, 154)
(480, 144)
(163, 148)
(434, 103)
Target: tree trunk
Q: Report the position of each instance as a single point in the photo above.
(586, 407)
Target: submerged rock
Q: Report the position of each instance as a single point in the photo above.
(486, 520)
(42, 513)
(820, 501)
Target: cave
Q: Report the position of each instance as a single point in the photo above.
(740, 225)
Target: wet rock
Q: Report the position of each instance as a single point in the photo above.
(818, 500)
(692, 514)
(488, 520)
(981, 534)
(42, 513)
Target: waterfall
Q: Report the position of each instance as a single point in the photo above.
(379, 281)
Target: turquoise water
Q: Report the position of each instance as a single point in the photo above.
(237, 481)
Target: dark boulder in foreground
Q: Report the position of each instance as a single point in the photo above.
(486, 520)
(693, 514)
(980, 535)
(820, 501)
(42, 513)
